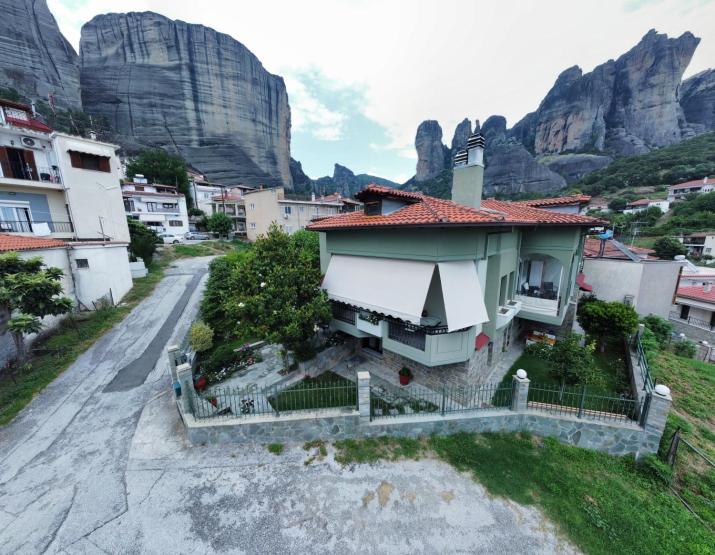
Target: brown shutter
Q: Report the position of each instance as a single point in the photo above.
(29, 158)
(5, 162)
(104, 164)
(75, 159)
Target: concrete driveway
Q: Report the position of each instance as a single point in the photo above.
(98, 463)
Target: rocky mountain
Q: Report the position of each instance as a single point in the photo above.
(623, 107)
(35, 59)
(347, 183)
(190, 90)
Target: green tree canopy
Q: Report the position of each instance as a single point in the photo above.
(160, 167)
(142, 241)
(604, 320)
(573, 363)
(219, 223)
(617, 204)
(29, 291)
(668, 248)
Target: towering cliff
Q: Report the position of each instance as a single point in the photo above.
(35, 58)
(623, 107)
(432, 155)
(190, 90)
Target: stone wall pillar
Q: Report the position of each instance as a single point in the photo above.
(364, 395)
(186, 380)
(173, 354)
(520, 390)
(655, 419)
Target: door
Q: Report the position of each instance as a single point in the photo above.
(684, 311)
(15, 218)
(372, 343)
(22, 164)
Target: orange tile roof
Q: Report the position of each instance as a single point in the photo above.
(422, 210)
(697, 292)
(10, 242)
(592, 247)
(556, 201)
(692, 183)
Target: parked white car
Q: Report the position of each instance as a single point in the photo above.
(171, 239)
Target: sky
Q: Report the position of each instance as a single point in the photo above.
(362, 74)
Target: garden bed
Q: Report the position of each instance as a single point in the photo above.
(328, 390)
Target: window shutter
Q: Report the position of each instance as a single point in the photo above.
(75, 159)
(104, 164)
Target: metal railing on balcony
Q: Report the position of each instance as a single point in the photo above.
(407, 334)
(10, 226)
(17, 170)
(344, 312)
(695, 322)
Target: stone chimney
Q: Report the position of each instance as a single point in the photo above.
(312, 196)
(468, 175)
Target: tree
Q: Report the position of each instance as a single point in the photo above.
(668, 248)
(219, 223)
(573, 363)
(160, 167)
(617, 204)
(142, 241)
(275, 292)
(606, 320)
(218, 290)
(29, 291)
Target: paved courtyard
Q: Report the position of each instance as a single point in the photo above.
(99, 463)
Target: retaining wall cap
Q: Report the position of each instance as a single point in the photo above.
(662, 390)
(363, 375)
(521, 373)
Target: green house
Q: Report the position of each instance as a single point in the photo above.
(445, 287)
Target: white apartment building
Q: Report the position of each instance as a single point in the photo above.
(265, 206)
(698, 186)
(160, 207)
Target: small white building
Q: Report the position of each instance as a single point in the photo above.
(696, 186)
(644, 203)
(700, 243)
(159, 207)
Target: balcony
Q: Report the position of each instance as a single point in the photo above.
(506, 313)
(35, 227)
(369, 323)
(27, 172)
(691, 321)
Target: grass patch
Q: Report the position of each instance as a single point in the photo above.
(275, 448)
(54, 353)
(205, 248)
(379, 448)
(327, 390)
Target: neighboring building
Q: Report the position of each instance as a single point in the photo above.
(644, 204)
(202, 192)
(700, 243)
(231, 202)
(265, 206)
(694, 311)
(631, 275)
(348, 204)
(573, 204)
(444, 287)
(160, 207)
(697, 186)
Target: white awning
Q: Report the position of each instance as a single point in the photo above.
(463, 297)
(388, 286)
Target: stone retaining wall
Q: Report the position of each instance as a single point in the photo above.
(327, 359)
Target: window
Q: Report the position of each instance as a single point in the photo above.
(15, 217)
(138, 187)
(287, 210)
(684, 311)
(372, 208)
(128, 205)
(87, 161)
(152, 207)
(169, 205)
(301, 209)
(253, 225)
(252, 206)
(176, 223)
(82, 263)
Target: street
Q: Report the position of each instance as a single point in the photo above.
(99, 463)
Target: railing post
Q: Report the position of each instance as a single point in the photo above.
(443, 400)
(185, 378)
(582, 403)
(363, 393)
(172, 353)
(655, 418)
(519, 390)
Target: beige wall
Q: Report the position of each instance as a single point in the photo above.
(261, 211)
(92, 195)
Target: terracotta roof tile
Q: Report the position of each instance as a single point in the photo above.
(697, 292)
(425, 210)
(10, 242)
(693, 183)
(592, 247)
(557, 201)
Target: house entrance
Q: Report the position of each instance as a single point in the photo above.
(373, 344)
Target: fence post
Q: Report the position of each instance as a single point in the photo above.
(654, 421)
(363, 391)
(172, 353)
(519, 390)
(582, 403)
(186, 380)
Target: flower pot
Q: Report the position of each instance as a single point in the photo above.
(404, 380)
(200, 384)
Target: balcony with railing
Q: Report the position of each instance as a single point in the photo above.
(692, 321)
(539, 285)
(35, 227)
(28, 172)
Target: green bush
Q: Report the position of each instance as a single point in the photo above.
(685, 348)
(142, 241)
(660, 327)
(200, 336)
(219, 223)
(668, 248)
(606, 320)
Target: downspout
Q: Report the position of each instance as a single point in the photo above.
(65, 188)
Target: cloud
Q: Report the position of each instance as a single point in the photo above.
(310, 115)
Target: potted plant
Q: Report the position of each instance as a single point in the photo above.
(405, 375)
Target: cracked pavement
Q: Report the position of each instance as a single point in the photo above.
(91, 469)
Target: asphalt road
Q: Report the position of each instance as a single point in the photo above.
(88, 468)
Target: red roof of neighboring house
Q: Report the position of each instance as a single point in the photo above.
(592, 247)
(423, 210)
(335, 197)
(641, 202)
(692, 183)
(697, 292)
(10, 242)
(34, 124)
(556, 201)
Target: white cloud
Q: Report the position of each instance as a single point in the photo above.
(310, 115)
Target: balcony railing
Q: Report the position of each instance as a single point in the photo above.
(17, 170)
(9, 226)
(344, 312)
(695, 322)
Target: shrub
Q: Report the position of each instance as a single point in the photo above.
(668, 248)
(539, 350)
(201, 336)
(606, 320)
(685, 348)
(660, 327)
(573, 363)
(142, 241)
(275, 448)
(649, 342)
(219, 223)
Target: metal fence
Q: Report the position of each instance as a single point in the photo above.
(385, 403)
(229, 402)
(648, 382)
(25, 226)
(577, 401)
(407, 334)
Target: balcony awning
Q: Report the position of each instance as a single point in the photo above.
(462, 293)
(89, 148)
(396, 288)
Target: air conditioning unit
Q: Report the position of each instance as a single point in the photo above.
(30, 142)
(628, 300)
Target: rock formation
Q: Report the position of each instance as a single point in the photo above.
(697, 97)
(35, 58)
(432, 155)
(347, 183)
(461, 134)
(301, 182)
(573, 167)
(191, 90)
(510, 168)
